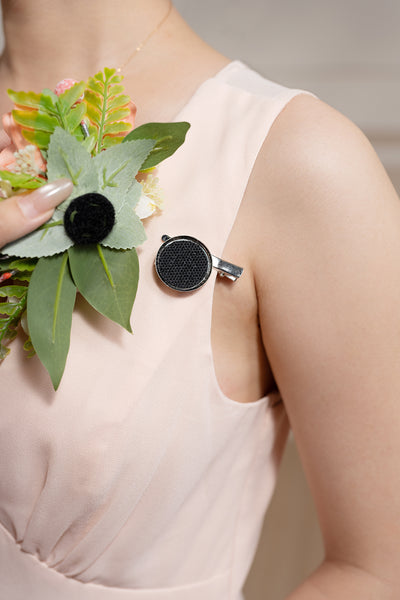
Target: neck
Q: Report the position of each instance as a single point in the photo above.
(47, 40)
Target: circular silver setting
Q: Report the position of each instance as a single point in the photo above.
(183, 263)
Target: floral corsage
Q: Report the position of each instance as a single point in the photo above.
(82, 131)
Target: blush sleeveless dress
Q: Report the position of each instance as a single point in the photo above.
(139, 479)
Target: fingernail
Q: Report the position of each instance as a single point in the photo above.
(44, 198)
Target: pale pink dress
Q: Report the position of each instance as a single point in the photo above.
(139, 479)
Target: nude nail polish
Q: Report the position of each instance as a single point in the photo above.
(45, 198)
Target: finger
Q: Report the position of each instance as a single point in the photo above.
(22, 214)
(4, 140)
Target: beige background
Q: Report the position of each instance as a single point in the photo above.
(348, 53)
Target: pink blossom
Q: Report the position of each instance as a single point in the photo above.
(64, 85)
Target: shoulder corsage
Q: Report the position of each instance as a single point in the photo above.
(82, 131)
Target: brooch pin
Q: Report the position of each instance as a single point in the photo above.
(184, 264)
(83, 131)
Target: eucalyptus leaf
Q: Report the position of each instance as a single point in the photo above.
(168, 138)
(51, 298)
(107, 278)
(111, 173)
(117, 168)
(42, 242)
(68, 158)
(128, 232)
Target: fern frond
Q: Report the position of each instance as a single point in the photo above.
(107, 109)
(13, 298)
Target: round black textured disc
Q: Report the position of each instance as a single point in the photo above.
(89, 218)
(183, 263)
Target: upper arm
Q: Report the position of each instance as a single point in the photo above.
(327, 271)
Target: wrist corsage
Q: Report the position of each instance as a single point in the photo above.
(82, 131)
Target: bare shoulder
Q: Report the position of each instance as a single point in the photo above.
(317, 175)
(312, 154)
(326, 256)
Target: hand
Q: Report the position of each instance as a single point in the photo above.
(23, 213)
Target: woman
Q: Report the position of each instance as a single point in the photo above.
(148, 473)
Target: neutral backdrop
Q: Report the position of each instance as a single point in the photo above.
(348, 53)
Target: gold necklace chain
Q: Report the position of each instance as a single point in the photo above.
(144, 42)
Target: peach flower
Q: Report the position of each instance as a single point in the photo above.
(15, 150)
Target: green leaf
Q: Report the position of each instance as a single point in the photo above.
(128, 231)
(51, 298)
(168, 138)
(112, 173)
(11, 263)
(89, 143)
(4, 351)
(50, 98)
(35, 120)
(110, 73)
(119, 127)
(21, 180)
(10, 314)
(40, 114)
(94, 115)
(48, 102)
(117, 168)
(114, 90)
(107, 278)
(75, 117)
(118, 113)
(25, 99)
(110, 142)
(119, 102)
(9, 291)
(102, 96)
(68, 158)
(28, 347)
(40, 139)
(68, 98)
(9, 308)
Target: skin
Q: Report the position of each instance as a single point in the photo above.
(317, 314)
